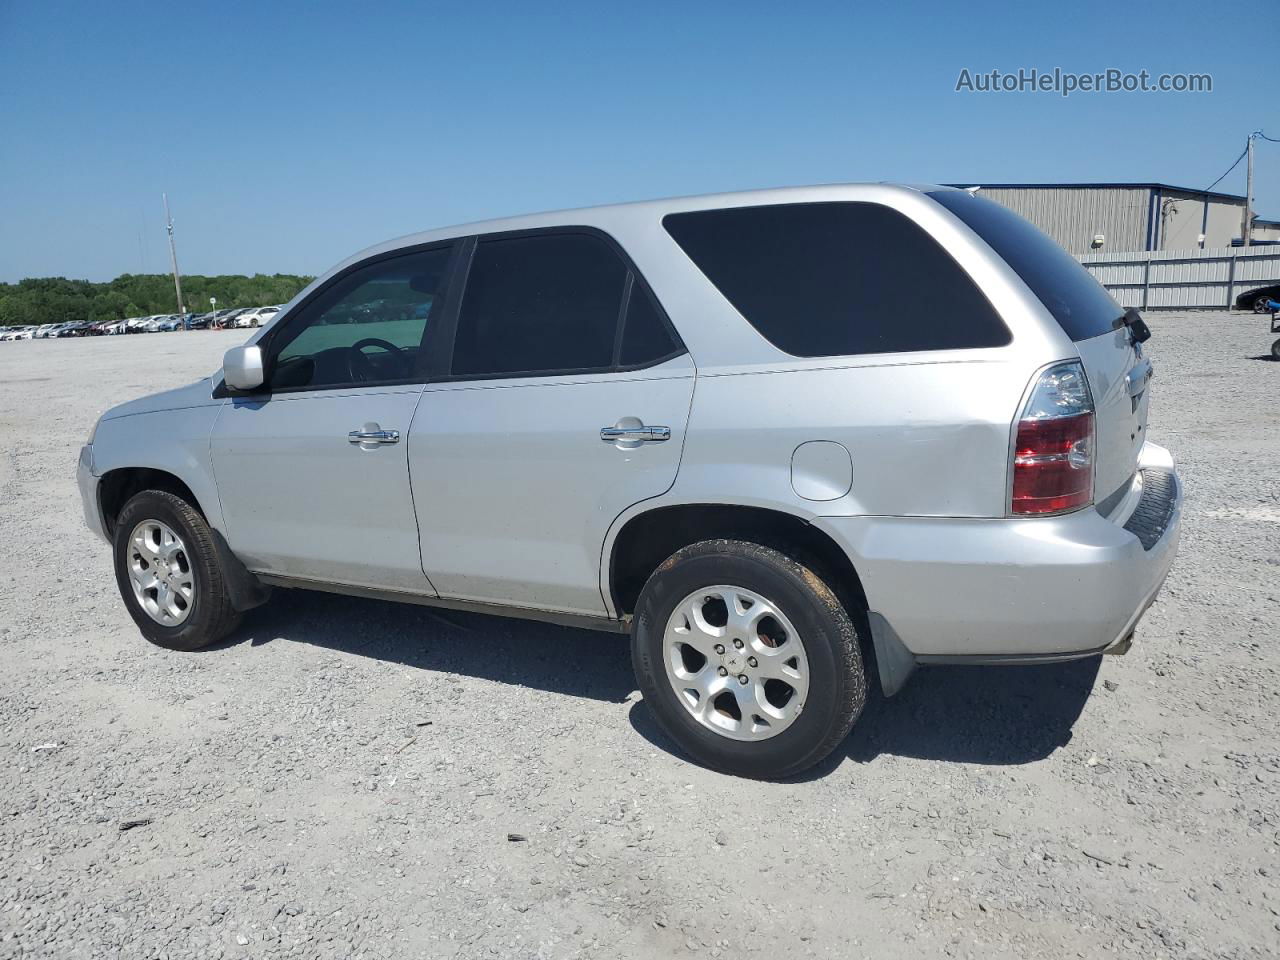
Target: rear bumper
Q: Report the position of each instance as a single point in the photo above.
(1018, 590)
(88, 484)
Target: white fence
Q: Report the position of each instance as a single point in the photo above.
(1184, 279)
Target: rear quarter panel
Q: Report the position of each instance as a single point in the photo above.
(926, 439)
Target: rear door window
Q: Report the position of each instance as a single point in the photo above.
(646, 337)
(549, 303)
(1080, 304)
(835, 279)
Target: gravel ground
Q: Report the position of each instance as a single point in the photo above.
(348, 778)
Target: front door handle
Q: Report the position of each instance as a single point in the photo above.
(371, 433)
(640, 434)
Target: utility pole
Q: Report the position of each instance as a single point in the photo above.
(1247, 232)
(173, 256)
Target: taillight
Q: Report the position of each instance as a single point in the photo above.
(1053, 451)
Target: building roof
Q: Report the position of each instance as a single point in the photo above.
(1131, 186)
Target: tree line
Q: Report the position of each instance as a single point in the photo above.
(59, 300)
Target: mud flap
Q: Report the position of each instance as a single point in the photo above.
(246, 590)
(894, 661)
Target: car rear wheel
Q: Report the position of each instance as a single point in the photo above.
(168, 573)
(747, 659)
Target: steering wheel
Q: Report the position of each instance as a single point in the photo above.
(358, 365)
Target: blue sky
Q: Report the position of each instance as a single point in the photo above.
(289, 135)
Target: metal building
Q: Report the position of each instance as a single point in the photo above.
(1124, 217)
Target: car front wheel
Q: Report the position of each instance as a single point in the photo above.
(747, 659)
(168, 573)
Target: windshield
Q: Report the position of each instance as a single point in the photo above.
(1080, 304)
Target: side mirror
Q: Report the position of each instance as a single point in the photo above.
(242, 367)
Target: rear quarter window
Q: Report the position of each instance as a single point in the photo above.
(836, 279)
(1080, 304)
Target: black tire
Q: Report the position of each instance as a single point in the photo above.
(1260, 304)
(837, 679)
(211, 615)
(1275, 350)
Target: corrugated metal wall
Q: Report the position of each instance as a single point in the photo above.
(1073, 215)
(1225, 221)
(1181, 222)
(1188, 279)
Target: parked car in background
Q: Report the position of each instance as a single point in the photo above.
(969, 482)
(199, 321)
(1256, 299)
(229, 320)
(257, 316)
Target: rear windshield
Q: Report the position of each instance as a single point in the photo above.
(1080, 304)
(835, 279)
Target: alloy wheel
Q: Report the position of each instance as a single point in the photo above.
(736, 663)
(160, 573)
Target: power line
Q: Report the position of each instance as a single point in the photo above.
(1259, 133)
(1229, 169)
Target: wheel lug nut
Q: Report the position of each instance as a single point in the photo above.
(738, 644)
(751, 662)
(742, 679)
(719, 648)
(722, 671)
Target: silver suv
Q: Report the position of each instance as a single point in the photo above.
(787, 440)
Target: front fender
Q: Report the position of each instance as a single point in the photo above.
(172, 441)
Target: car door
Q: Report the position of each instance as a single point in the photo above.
(312, 471)
(565, 402)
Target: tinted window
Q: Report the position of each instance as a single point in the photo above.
(645, 336)
(366, 328)
(539, 304)
(831, 279)
(1080, 304)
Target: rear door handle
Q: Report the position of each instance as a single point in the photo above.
(373, 436)
(641, 434)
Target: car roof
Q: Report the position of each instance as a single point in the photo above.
(609, 215)
(720, 337)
